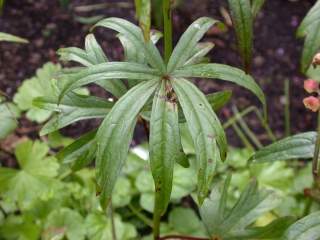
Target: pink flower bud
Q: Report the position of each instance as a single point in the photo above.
(312, 103)
(311, 86)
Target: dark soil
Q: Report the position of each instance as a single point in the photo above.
(276, 57)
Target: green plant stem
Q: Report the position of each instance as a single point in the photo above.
(266, 126)
(307, 207)
(142, 217)
(156, 225)
(65, 174)
(137, 4)
(113, 225)
(242, 136)
(246, 128)
(247, 111)
(287, 107)
(167, 23)
(315, 167)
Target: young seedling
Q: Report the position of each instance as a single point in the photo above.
(160, 88)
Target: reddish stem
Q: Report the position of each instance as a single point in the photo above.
(177, 237)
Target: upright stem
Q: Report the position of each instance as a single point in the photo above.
(113, 225)
(246, 128)
(167, 23)
(156, 224)
(315, 167)
(287, 107)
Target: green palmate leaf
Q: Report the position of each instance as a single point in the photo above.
(34, 179)
(93, 55)
(165, 146)
(64, 223)
(222, 72)
(105, 71)
(6, 37)
(311, 45)
(199, 53)
(8, 119)
(72, 108)
(19, 227)
(256, 6)
(312, 17)
(115, 134)
(184, 181)
(135, 35)
(56, 140)
(243, 23)
(40, 85)
(180, 225)
(122, 193)
(79, 153)
(294, 147)
(307, 228)
(188, 42)
(100, 227)
(143, 10)
(205, 129)
(273, 230)
(253, 203)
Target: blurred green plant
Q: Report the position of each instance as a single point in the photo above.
(43, 84)
(70, 209)
(243, 13)
(310, 30)
(9, 113)
(6, 37)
